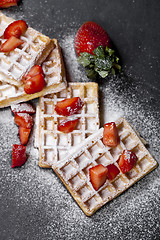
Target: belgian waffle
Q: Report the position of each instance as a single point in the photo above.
(53, 144)
(74, 170)
(15, 64)
(55, 78)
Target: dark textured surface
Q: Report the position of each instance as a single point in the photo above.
(34, 204)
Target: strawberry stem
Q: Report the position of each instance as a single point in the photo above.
(101, 63)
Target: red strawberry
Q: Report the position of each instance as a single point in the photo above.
(22, 108)
(89, 36)
(110, 135)
(23, 120)
(35, 70)
(16, 29)
(113, 171)
(98, 176)
(69, 106)
(8, 3)
(24, 135)
(68, 125)
(18, 155)
(10, 44)
(127, 160)
(34, 84)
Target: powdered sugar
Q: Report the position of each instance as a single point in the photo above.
(23, 108)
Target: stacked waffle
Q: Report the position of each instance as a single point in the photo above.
(37, 49)
(69, 154)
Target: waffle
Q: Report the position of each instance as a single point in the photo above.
(15, 64)
(53, 144)
(54, 76)
(74, 170)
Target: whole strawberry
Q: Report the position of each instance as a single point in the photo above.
(90, 36)
(93, 47)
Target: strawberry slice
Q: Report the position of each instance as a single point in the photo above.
(113, 171)
(69, 106)
(10, 44)
(24, 135)
(35, 70)
(8, 3)
(22, 108)
(23, 120)
(68, 125)
(98, 176)
(127, 160)
(16, 29)
(34, 84)
(89, 36)
(110, 135)
(18, 155)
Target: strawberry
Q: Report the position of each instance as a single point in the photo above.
(90, 36)
(23, 120)
(18, 155)
(16, 29)
(34, 84)
(110, 135)
(35, 70)
(10, 44)
(68, 125)
(127, 160)
(69, 106)
(92, 45)
(98, 176)
(22, 108)
(8, 3)
(113, 171)
(24, 135)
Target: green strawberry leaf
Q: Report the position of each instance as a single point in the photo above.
(85, 59)
(101, 63)
(99, 52)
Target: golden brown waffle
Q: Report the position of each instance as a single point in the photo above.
(74, 170)
(53, 144)
(15, 64)
(55, 78)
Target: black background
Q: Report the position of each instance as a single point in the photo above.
(34, 204)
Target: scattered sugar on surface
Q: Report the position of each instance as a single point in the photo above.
(73, 68)
(134, 214)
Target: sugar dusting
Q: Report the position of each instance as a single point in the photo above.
(39, 190)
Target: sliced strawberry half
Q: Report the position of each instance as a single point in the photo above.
(127, 160)
(89, 36)
(24, 135)
(110, 135)
(113, 171)
(16, 29)
(34, 84)
(98, 176)
(10, 44)
(35, 70)
(68, 125)
(69, 106)
(18, 155)
(23, 120)
(22, 108)
(8, 3)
